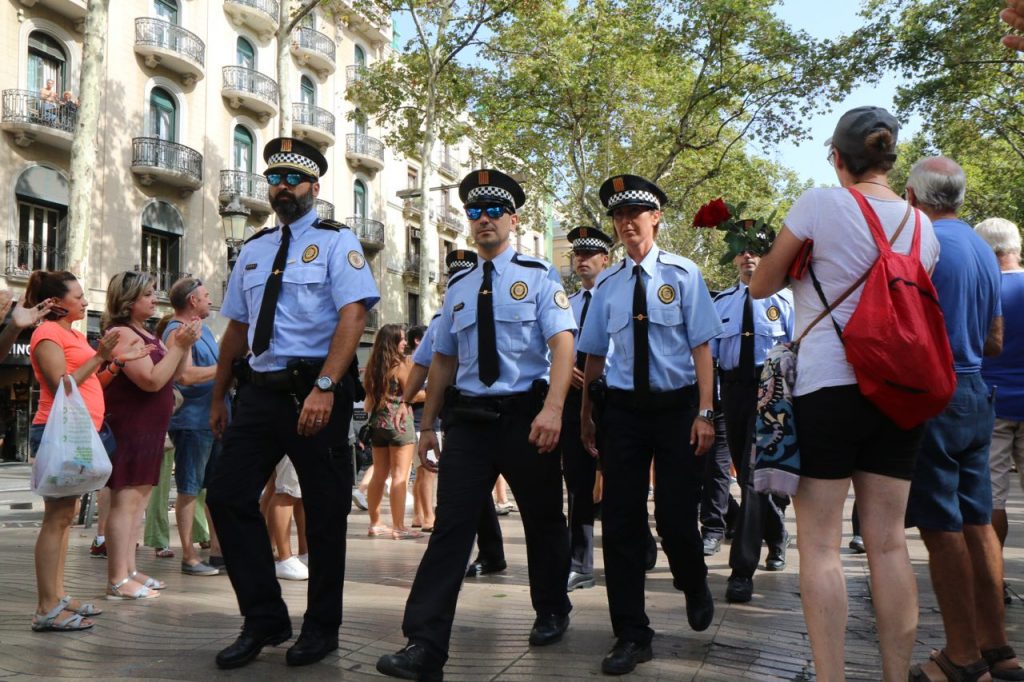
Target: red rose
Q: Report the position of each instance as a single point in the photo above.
(711, 214)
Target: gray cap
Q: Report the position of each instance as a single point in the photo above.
(856, 124)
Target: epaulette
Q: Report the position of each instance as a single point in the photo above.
(328, 224)
(576, 293)
(459, 275)
(436, 315)
(262, 233)
(684, 264)
(786, 295)
(622, 266)
(728, 292)
(520, 259)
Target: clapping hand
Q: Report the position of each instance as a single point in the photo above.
(108, 342)
(1014, 16)
(23, 317)
(188, 333)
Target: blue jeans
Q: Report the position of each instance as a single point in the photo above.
(192, 448)
(35, 437)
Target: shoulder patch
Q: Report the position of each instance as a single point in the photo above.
(262, 233)
(622, 266)
(675, 261)
(356, 259)
(459, 275)
(529, 262)
(328, 224)
(561, 300)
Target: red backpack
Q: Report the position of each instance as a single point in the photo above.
(896, 339)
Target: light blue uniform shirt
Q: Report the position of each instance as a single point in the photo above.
(576, 302)
(325, 271)
(424, 352)
(530, 306)
(773, 324)
(682, 317)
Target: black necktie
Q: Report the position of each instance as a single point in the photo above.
(747, 340)
(268, 307)
(641, 344)
(581, 357)
(488, 349)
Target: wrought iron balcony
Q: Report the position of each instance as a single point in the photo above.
(315, 50)
(313, 123)
(369, 231)
(324, 209)
(364, 151)
(453, 220)
(251, 189)
(370, 19)
(156, 160)
(355, 73)
(412, 266)
(30, 117)
(259, 15)
(171, 46)
(251, 89)
(24, 257)
(164, 279)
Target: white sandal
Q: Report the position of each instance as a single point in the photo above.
(84, 609)
(143, 592)
(151, 583)
(48, 622)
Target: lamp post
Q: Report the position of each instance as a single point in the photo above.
(233, 219)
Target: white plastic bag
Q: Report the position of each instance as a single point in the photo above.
(71, 459)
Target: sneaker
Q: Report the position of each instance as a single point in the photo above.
(198, 569)
(304, 558)
(504, 509)
(857, 545)
(98, 551)
(291, 569)
(359, 498)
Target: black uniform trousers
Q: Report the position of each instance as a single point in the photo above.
(579, 469)
(262, 431)
(474, 454)
(718, 509)
(760, 516)
(490, 545)
(631, 437)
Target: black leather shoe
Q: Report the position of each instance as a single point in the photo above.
(700, 608)
(776, 560)
(548, 629)
(311, 646)
(248, 646)
(624, 656)
(484, 567)
(411, 663)
(739, 590)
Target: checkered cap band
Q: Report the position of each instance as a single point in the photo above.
(293, 160)
(590, 244)
(633, 195)
(460, 265)
(489, 191)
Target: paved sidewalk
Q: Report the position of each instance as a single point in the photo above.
(176, 636)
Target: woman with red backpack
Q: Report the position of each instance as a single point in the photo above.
(845, 431)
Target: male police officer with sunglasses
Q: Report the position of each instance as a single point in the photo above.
(297, 298)
(498, 324)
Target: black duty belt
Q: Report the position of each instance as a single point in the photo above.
(679, 399)
(281, 380)
(734, 376)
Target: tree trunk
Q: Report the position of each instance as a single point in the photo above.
(84, 148)
(284, 70)
(428, 229)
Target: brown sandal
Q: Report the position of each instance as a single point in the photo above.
(971, 672)
(998, 655)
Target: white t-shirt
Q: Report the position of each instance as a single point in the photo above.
(843, 251)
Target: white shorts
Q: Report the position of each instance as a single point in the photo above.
(287, 480)
(1007, 449)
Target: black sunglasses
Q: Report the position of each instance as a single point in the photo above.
(292, 179)
(195, 285)
(494, 211)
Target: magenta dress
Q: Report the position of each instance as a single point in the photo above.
(139, 421)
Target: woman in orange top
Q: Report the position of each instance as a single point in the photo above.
(56, 349)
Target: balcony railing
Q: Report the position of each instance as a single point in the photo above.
(164, 34)
(26, 106)
(251, 81)
(412, 266)
(24, 257)
(316, 41)
(164, 278)
(453, 221)
(368, 230)
(372, 320)
(358, 143)
(449, 166)
(245, 184)
(307, 114)
(152, 152)
(268, 7)
(324, 209)
(355, 73)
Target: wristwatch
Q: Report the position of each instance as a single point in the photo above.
(325, 384)
(706, 415)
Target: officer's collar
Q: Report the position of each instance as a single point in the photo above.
(501, 260)
(649, 263)
(303, 223)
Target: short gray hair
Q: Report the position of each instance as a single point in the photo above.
(939, 183)
(1001, 234)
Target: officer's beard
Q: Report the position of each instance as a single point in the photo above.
(289, 207)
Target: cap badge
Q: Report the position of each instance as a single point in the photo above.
(583, 232)
(460, 255)
(666, 294)
(618, 184)
(286, 145)
(310, 254)
(519, 290)
(483, 178)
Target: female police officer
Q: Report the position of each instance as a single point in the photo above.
(657, 310)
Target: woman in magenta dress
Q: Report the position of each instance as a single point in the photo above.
(139, 402)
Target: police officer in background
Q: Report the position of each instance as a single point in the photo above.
(498, 325)
(656, 309)
(590, 248)
(752, 327)
(297, 298)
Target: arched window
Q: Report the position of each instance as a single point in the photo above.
(166, 10)
(162, 228)
(163, 115)
(243, 149)
(359, 198)
(308, 21)
(307, 91)
(42, 195)
(245, 54)
(360, 56)
(47, 61)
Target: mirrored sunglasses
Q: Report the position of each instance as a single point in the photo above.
(494, 211)
(291, 179)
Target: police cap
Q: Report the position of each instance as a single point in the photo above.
(586, 238)
(631, 190)
(290, 154)
(488, 186)
(459, 259)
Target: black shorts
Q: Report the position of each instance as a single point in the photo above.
(840, 432)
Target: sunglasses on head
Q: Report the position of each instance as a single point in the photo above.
(291, 179)
(494, 211)
(195, 285)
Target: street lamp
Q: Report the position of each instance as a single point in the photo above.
(233, 220)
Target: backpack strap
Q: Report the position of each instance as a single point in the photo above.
(863, 278)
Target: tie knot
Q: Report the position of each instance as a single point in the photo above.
(286, 231)
(637, 269)
(488, 266)
(586, 295)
